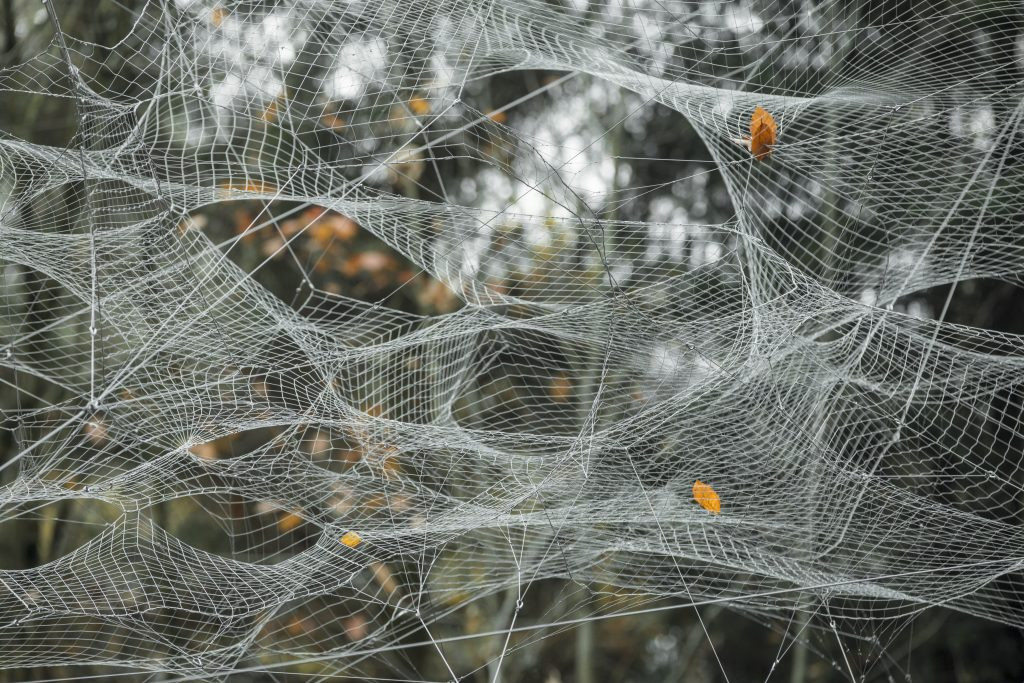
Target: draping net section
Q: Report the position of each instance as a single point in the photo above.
(393, 468)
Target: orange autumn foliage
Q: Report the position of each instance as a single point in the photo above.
(351, 539)
(706, 497)
(250, 186)
(561, 388)
(419, 106)
(356, 627)
(438, 297)
(330, 228)
(370, 262)
(272, 112)
(333, 122)
(763, 133)
(298, 626)
(289, 521)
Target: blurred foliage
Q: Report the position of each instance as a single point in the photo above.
(662, 172)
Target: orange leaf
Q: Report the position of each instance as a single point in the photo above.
(355, 627)
(289, 521)
(706, 497)
(332, 121)
(351, 539)
(561, 388)
(763, 130)
(321, 233)
(419, 106)
(298, 626)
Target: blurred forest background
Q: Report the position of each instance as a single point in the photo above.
(648, 158)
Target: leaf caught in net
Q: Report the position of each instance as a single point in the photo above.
(763, 131)
(706, 497)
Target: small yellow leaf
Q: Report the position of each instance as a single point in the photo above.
(351, 539)
(706, 497)
(419, 106)
(218, 15)
(288, 521)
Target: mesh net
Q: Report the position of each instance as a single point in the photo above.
(252, 472)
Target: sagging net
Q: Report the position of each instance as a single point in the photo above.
(246, 471)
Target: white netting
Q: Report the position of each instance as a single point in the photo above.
(360, 476)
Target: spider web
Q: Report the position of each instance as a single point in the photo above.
(593, 361)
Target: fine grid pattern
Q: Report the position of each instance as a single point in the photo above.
(394, 468)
